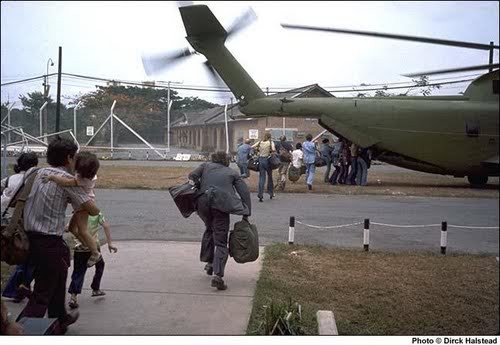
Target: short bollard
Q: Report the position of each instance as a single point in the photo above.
(291, 230)
(444, 237)
(366, 235)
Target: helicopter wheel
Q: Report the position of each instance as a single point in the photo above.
(477, 181)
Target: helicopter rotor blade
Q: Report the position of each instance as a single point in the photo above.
(155, 63)
(453, 70)
(244, 20)
(216, 79)
(461, 44)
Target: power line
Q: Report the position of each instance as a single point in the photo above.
(354, 88)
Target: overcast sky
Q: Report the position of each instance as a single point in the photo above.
(107, 40)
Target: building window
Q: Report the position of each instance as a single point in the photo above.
(276, 133)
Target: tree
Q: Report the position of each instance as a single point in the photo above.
(142, 108)
(33, 102)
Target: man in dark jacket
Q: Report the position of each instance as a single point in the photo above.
(217, 200)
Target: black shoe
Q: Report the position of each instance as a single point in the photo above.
(218, 283)
(309, 186)
(271, 196)
(260, 200)
(209, 269)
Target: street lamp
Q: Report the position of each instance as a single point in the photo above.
(46, 88)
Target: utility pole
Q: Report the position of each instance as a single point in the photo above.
(58, 105)
(491, 55)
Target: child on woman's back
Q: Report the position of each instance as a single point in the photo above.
(86, 166)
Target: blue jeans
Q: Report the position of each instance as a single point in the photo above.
(362, 172)
(22, 275)
(328, 161)
(80, 268)
(310, 170)
(351, 179)
(265, 169)
(243, 169)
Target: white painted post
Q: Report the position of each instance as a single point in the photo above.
(366, 235)
(227, 133)
(168, 122)
(291, 230)
(41, 117)
(8, 121)
(74, 118)
(168, 116)
(444, 237)
(111, 119)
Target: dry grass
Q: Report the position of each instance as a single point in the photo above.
(380, 183)
(379, 293)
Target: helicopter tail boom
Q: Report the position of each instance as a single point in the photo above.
(207, 36)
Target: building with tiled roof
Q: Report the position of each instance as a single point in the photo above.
(204, 131)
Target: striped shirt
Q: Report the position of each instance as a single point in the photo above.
(45, 209)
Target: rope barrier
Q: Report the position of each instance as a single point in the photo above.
(328, 227)
(472, 227)
(406, 226)
(366, 230)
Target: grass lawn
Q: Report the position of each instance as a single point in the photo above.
(380, 182)
(379, 293)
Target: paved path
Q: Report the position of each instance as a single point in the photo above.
(152, 215)
(160, 288)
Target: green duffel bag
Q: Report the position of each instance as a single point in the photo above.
(244, 242)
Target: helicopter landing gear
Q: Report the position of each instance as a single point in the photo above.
(477, 181)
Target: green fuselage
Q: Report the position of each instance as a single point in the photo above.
(421, 133)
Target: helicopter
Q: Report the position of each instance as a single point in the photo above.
(446, 135)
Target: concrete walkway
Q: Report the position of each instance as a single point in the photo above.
(160, 288)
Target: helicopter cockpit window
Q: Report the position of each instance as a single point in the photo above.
(472, 128)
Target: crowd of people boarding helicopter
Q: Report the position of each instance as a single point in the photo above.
(349, 161)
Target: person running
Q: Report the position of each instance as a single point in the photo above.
(326, 154)
(18, 285)
(244, 151)
(309, 149)
(284, 149)
(217, 199)
(265, 147)
(44, 218)
(86, 168)
(81, 256)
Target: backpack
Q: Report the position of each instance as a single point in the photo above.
(294, 174)
(14, 241)
(244, 242)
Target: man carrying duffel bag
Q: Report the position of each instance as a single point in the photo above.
(217, 200)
